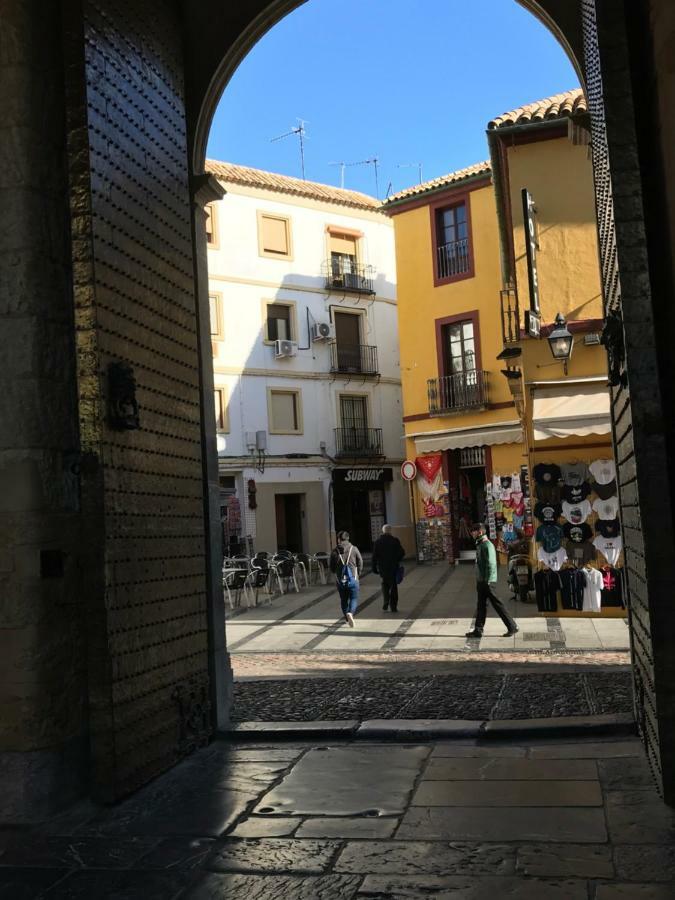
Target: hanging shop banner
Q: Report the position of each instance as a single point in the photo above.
(363, 476)
(429, 466)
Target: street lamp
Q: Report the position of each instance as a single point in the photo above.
(561, 341)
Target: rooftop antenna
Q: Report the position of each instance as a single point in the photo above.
(412, 166)
(374, 162)
(342, 171)
(301, 133)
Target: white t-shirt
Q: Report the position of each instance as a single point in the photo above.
(609, 547)
(576, 513)
(607, 509)
(603, 470)
(593, 590)
(553, 560)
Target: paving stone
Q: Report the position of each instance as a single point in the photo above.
(103, 884)
(272, 856)
(347, 781)
(470, 888)
(267, 753)
(461, 823)
(508, 793)
(183, 852)
(426, 728)
(215, 886)
(644, 862)
(426, 858)
(639, 817)
(343, 827)
(635, 892)
(619, 774)
(490, 769)
(268, 826)
(27, 884)
(565, 860)
(243, 776)
(585, 750)
(493, 751)
(55, 852)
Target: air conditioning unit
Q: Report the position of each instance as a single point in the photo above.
(323, 331)
(284, 349)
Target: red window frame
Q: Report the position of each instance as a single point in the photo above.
(441, 356)
(455, 199)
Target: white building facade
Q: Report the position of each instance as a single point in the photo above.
(306, 366)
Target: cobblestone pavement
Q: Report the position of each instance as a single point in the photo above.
(344, 821)
(496, 695)
(436, 608)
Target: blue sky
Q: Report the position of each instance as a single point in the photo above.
(407, 81)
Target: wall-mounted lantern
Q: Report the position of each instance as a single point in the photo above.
(561, 341)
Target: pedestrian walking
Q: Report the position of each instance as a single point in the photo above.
(387, 556)
(347, 564)
(486, 582)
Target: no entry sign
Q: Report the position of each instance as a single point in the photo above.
(408, 470)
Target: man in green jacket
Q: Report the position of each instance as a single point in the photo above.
(486, 582)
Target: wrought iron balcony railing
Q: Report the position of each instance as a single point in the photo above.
(342, 274)
(356, 440)
(357, 359)
(453, 258)
(510, 316)
(465, 390)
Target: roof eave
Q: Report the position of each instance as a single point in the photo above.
(440, 189)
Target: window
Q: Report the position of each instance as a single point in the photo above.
(274, 236)
(211, 226)
(278, 325)
(216, 311)
(460, 347)
(354, 412)
(453, 251)
(461, 384)
(342, 254)
(284, 411)
(222, 423)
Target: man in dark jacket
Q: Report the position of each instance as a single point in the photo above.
(486, 582)
(387, 556)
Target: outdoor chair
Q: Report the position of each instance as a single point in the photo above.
(235, 583)
(304, 563)
(284, 569)
(259, 578)
(321, 560)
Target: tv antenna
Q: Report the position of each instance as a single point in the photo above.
(417, 165)
(374, 162)
(300, 131)
(342, 171)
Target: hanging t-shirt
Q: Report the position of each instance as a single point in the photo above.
(548, 512)
(515, 499)
(576, 513)
(577, 533)
(608, 528)
(574, 474)
(550, 537)
(575, 493)
(603, 470)
(548, 493)
(509, 534)
(580, 553)
(606, 509)
(518, 520)
(604, 491)
(593, 590)
(612, 587)
(507, 512)
(552, 560)
(572, 584)
(546, 587)
(609, 547)
(546, 473)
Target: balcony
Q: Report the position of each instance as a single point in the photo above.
(510, 316)
(356, 440)
(454, 393)
(349, 277)
(353, 359)
(453, 259)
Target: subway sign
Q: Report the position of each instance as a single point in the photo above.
(363, 476)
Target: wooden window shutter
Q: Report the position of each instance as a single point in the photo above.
(275, 235)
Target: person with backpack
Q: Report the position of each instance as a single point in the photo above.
(387, 556)
(347, 564)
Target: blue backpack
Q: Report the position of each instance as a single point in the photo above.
(345, 576)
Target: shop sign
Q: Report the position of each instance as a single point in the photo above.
(531, 249)
(408, 470)
(362, 476)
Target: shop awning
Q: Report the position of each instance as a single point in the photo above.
(487, 436)
(561, 411)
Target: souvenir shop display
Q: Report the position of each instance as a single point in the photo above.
(434, 540)
(508, 503)
(578, 537)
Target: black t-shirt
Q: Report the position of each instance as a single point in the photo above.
(608, 528)
(576, 493)
(548, 512)
(577, 533)
(548, 493)
(547, 473)
(605, 491)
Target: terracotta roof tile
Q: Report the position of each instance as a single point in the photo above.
(284, 184)
(559, 106)
(482, 168)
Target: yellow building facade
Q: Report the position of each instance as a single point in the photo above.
(487, 259)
